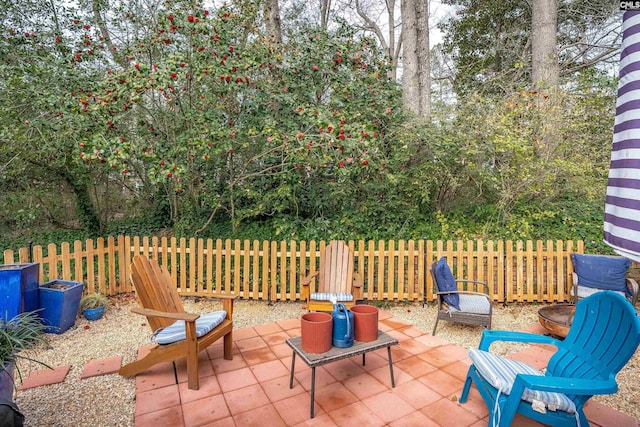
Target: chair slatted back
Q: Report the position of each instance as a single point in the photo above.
(336, 273)
(155, 290)
(604, 335)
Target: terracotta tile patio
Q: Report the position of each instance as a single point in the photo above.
(253, 388)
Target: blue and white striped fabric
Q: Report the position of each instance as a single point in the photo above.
(501, 373)
(176, 331)
(328, 296)
(473, 304)
(622, 206)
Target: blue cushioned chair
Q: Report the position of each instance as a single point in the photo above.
(471, 305)
(594, 273)
(603, 337)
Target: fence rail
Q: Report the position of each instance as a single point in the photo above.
(268, 270)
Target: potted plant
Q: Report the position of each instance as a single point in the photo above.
(93, 305)
(22, 332)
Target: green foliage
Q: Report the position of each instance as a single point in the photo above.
(20, 333)
(220, 119)
(94, 300)
(489, 41)
(188, 119)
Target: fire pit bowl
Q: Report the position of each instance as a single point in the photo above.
(557, 318)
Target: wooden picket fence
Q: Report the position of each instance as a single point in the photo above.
(268, 270)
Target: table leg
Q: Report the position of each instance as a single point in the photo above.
(393, 381)
(363, 361)
(293, 365)
(313, 389)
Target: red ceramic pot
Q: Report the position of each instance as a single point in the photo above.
(365, 320)
(316, 331)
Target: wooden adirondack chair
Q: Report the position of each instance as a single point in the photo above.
(162, 306)
(336, 278)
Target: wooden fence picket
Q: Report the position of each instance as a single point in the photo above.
(516, 271)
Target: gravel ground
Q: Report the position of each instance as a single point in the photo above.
(109, 400)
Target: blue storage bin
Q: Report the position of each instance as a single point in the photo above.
(59, 301)
(18, 289)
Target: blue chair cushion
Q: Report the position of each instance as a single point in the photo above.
(602, 272)
(446, 282)
(176, 331)
(327, 296)
(501, 373)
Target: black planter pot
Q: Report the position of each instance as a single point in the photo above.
(7, 383)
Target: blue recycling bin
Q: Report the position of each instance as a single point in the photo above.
(18, 289)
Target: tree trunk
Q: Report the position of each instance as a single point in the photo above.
(98, 8)
(371, 24)
(325, 9)
(272, 20)
(87, 214)
(545, 74)
(544, 23)
(416, 78)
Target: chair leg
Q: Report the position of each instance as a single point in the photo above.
(192, 373)
(192, 356)
(509, 407)
(154, 357)
(228, 346)
(466, 388)
(435, 326)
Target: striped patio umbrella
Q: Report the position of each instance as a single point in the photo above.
(622, 206)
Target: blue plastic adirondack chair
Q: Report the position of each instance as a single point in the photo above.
(603, 337)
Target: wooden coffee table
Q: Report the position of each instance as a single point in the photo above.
(336, 353)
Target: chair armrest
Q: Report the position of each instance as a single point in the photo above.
(574, 288)
(227, 303)
(356, 288)
(187, 317)
(491, 336)
(577, 386)
(305, 292)
(357, 280)
(224, 296)
(309, 278)
(633, 287)
(479, 294)
(471, 281)
(476, 282)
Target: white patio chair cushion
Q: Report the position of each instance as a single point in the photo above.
(328, 296)
(585, 291)
(501, 373)
(176, 331)
(473, 304)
